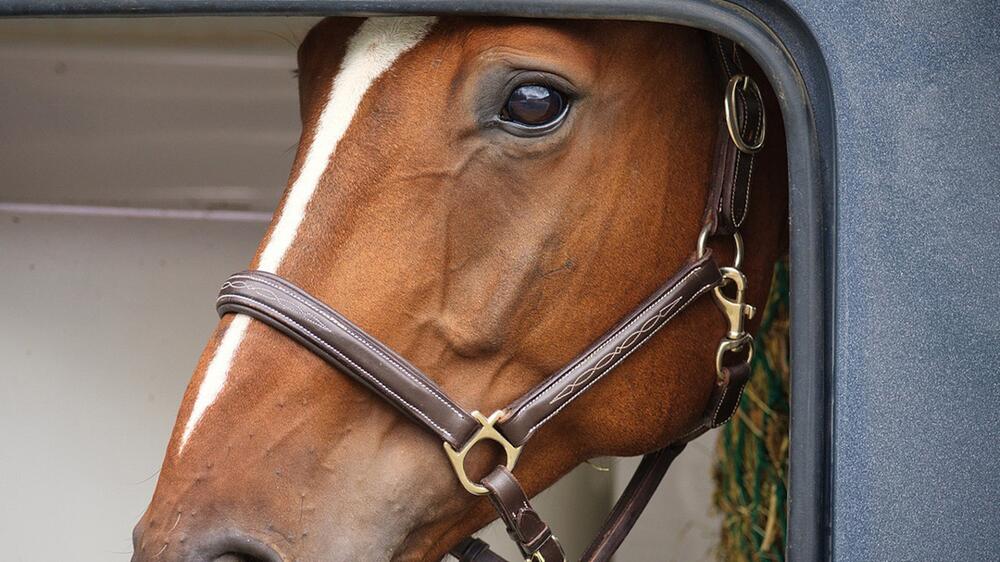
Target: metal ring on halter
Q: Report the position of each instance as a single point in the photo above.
(744, 82)
(737, 242)
(486, 433)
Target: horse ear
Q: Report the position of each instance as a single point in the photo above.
(319, 57)
(302, 71)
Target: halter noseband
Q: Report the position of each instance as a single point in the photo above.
(281, 305)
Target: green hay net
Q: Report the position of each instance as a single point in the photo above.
(751, 471)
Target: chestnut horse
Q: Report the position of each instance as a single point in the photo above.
(487, 197)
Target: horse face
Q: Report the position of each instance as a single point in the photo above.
(486, 197)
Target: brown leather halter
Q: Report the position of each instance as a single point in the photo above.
(282, 305)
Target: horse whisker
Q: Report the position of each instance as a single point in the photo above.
(176, 521)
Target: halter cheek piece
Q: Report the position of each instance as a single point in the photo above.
(282, 305)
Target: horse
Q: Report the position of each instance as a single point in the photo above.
(486, 196)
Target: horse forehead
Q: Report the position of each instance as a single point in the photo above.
(584, 50)
(582, 42)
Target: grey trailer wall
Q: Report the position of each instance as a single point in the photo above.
(916, 433)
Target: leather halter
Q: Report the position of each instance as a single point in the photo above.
(281, 305)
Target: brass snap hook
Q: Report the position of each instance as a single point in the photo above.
(735, 309)
(748, 86)
(737, 312)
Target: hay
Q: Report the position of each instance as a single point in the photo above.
(751, 472)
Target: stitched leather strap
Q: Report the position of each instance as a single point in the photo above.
(729, 197)
(533, 537)
(525, 527)
(531, 411)
(725, 399)
(282, 305)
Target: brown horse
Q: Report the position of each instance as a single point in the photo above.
(487, 197)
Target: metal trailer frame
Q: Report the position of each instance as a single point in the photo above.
(790, 56)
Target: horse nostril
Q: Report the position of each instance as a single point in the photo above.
(254, 554)
(243, 557)
(230, 557)
(233, 547)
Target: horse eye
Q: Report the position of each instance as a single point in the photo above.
(534, 105)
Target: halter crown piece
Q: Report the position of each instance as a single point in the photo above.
(331, 336)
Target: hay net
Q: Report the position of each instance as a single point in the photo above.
(751, 470)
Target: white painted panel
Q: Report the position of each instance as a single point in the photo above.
(163, 113)
(102, 323)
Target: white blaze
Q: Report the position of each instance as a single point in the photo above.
(371, 51)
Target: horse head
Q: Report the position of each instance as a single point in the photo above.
(487, 197)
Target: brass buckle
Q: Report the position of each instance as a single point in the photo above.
(486, 433)
(535, 557)
(747, 84)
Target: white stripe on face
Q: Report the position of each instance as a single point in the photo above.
(371, 51)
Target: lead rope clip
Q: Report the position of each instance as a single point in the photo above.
(737, 312)
(734, 307)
